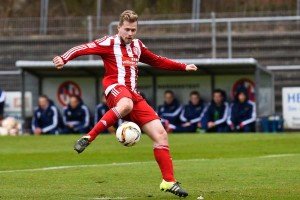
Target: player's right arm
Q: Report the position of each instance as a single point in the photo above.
(97, 47)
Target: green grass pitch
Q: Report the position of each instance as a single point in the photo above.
(228, 166)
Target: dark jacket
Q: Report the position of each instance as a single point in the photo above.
(48, 120)
(216, 114)
(79, 117)
(170, 112)
(242, 113)
(100, 110)
(2, 103)
(192, 113)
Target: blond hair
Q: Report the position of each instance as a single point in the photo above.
(129, 16)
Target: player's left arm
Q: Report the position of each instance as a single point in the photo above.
(54, 121)
(225, 115)
(154, 60)
(251, 115)
(200, 117)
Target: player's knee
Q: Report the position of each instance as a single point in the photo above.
(125, 106)
(128, 108)
(162, 137)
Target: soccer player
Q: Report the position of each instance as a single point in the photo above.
(216, 114)
(242, 113)
(46, 117)
(2, 103)
(121, 54)
(76, 116)
(170, 111)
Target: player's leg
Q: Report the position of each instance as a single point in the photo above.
(148, 120)
(122, 108)
(120, 103)
(155, 130)
(159, 136)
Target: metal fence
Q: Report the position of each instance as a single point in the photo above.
(271, 40)
(220, 29)
(29, 26)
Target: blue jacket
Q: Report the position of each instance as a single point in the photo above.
(78, 117)
(100, 110)
(47, 120)
(242, 113)
(216, 114)
(2, 102)
(170, 112)
(192, 113)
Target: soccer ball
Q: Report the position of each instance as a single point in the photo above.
(128, 133)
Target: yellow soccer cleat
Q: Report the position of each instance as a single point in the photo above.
(173, 187)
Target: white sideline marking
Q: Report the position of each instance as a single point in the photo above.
(108, 198)
(278, 155)
(133, 163)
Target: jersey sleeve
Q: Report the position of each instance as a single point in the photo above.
(86, 122)
(65, 116)
(251, 115)
(54, 121)
(150, 58)
(96, 47)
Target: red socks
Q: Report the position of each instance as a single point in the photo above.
(108, 119)
(164, 160)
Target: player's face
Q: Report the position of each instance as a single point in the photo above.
(43, 102)
(195, 99)
(217, 97)
(73, 102)
(242, 97)
(169, 98)
(127, 31)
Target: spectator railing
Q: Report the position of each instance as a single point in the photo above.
(214, 22)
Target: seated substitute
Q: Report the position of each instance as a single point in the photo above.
(242, 113)
(46, 117)
(216, 114)
(170, 111)
(76, 116)
(100, 110)
(2, 104)
(191, 114)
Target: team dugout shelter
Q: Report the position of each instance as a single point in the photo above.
(83, 78)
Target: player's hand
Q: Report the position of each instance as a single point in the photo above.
(199, 125)
(58, 62)
(211, 124)
(37, 131)
(186, 124)
(191, 67)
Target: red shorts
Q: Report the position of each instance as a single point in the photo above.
(141, 112)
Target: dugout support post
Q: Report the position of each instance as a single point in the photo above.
(23, 98)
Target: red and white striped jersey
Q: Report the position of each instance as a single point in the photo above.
(120, 60)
